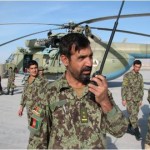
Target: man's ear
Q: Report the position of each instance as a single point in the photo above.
(64, 60)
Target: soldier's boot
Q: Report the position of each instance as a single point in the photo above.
(7, 92)
(130, 129)
(12, 92)
(1, 92)
(137, 134)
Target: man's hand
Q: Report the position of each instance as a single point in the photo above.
(20, 111)
(124, 102)
(101, 92)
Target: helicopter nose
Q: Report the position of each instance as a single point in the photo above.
(118, 68)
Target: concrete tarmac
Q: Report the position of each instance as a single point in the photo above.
(14, 132)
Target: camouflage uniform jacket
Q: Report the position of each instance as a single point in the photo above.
(11, 79)
(88, 31)
(132, 87)
(33, 99)
(147, 139)
(11, 76)
(69, 129)
(44, 78)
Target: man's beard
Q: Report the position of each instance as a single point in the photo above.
(84, 78)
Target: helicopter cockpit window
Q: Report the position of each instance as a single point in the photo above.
(55, 42)
(10, 58)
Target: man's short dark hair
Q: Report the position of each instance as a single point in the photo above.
(76, 39)
(138, 62)
(32, 62)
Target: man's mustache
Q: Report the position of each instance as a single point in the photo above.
(86, 69)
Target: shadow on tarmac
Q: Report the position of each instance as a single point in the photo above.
(143, 123)
(147, 83)
(16, 91)
(119, 84)
(114, 84)
(111, 144)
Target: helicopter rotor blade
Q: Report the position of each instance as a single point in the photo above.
(27, 36)
(30, 24)
(64, 26)
(86, 21)
(123, 31)
(113, 17)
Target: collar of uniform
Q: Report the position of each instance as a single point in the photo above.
(134, 72)
(63, 84)
(36, 79)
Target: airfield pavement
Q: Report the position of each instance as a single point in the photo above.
(14, 130)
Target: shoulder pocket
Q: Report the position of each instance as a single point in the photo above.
(57, 104)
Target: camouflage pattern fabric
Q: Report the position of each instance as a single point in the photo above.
(147, 140)
(11, 79)
(132, 87)
(44, 78)
(78, 123)
(133, 110)
(32, 98)
(87, 31)
(132, 91)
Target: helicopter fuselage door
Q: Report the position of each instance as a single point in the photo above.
(26, 60)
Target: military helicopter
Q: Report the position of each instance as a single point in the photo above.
(46, 51)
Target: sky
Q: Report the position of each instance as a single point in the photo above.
(60, 12)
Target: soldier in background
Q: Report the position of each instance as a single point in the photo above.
(87, 31)
(132, 94)
(147, 140)
(11, 80)
(41, 72)
(32, 99)
(77, 120)
(1, 90)
(78, 29)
